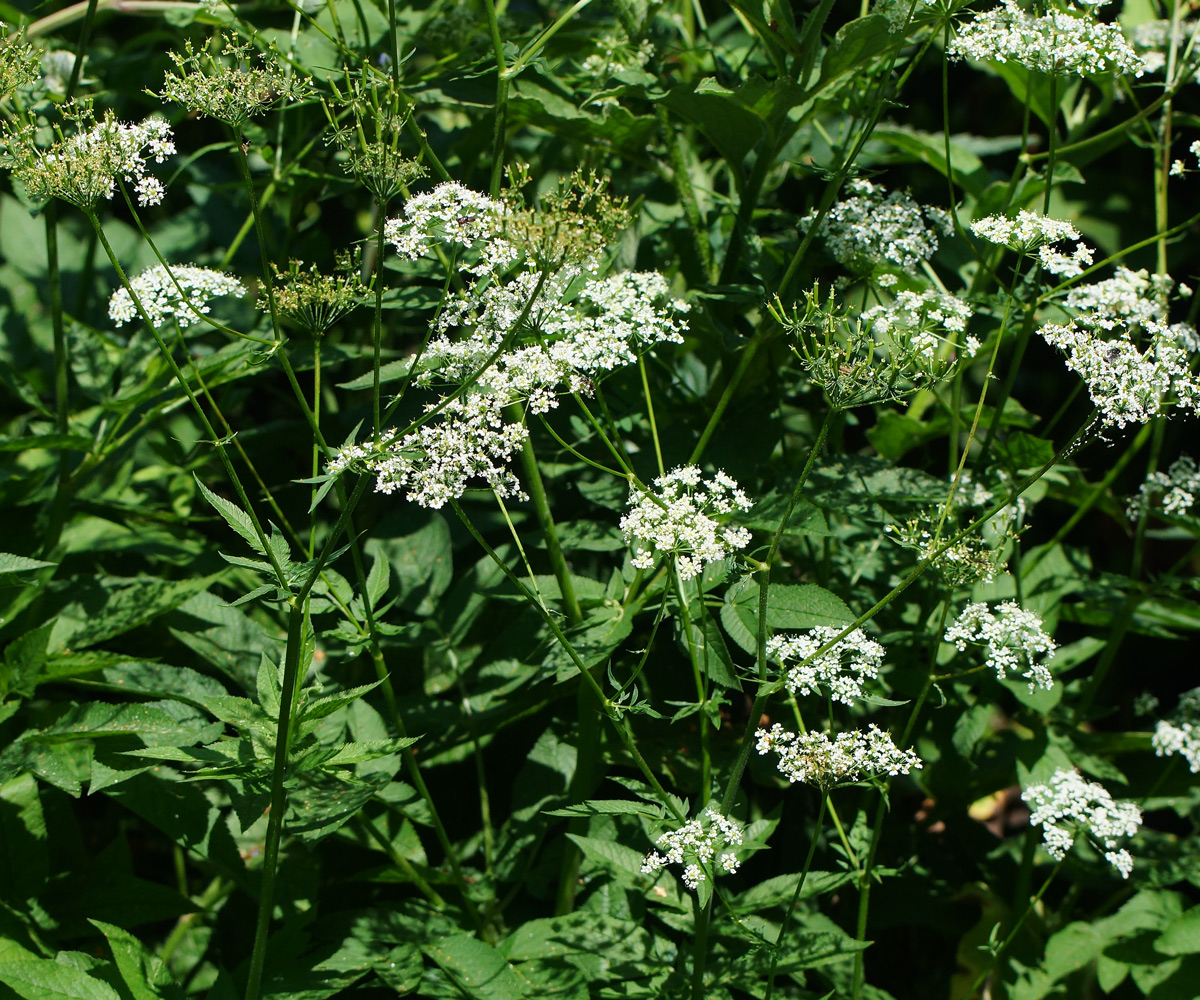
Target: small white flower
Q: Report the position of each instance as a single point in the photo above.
(842, 669)
(1178, 488)
(1070, 805)
(1026, 232)
(694, 845)
(191, 291)
(1061, 41)
(1181, 733)
(815, 758)
(1177, 168)
(872, 228)
(1014, 640)
(683, 518)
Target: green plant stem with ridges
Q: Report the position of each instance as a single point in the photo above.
(287, 699)
(787, 917)
(501, 114)
(212, 434)
(1003, 949)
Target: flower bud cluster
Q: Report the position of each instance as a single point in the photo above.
(230, 87)
(1181, 733)
(842, 668)
(683, 519)
(695, 845)
(1070, 805)
(1178, 487)
(182, 293)
(1060, 41)
(848, 757)
(1014, 640)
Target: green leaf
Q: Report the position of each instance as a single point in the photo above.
(24, 861)
(142, 971)
(610, 854)
(47, 442)
(608, 807)
(789, 606)
(854, 46)
(10, 564)
(234, 516)
(476, 968)
(43, 979)
(391, 371)
(24, 660)
(123, 606)
(1181, 937)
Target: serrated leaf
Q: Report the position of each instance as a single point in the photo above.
(10, 564)
(608, 807)
(1181, 937)
(43, 979)
(142, 971)
(234, 516)
(609, 853)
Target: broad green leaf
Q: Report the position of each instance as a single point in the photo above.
(855, 45)
(390, 371)
(477, 968)
(123, 606)
(608, 807)
(43, 979)
(1183, 936)
(610, 854)
(24, 861)
(142, 971)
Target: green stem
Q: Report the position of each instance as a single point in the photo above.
(377, 327)
(1013, 933)
(701, 918)
(498, 126)
(650, 415)
(698, 674)
(63, 489)
(259, 229)
(208, 427)
(787, 917)
(283, 734)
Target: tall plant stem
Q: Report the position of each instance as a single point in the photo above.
(787, 917)
(999, 953)
(377, 324)
(259, 229)
(619, 723)
(701, 918)
(864, 879)
(764, 583)
(499, 125)
(283, 732)
(698, 674)
(217, 442)
(62, 363)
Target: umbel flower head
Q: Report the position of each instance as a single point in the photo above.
(818, 760)
(683, 518)
(182, 293)
(19, 61)
(874, 229)
(222, 82)
(694, 845)
(1177, 488)
(1013, 637)
(84, 167)
(315, 301)
(1025, 232)
(1070, 806)
(841, 669)
(1059, 42)
(1181, 733)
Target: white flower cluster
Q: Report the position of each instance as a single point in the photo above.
(1070, 805)
(607, 324)
(436, 461)
(863, 657)
(84, 167)
(694, 846)
(1178, 487)
(872, 228)
(1064, 265)
(1126, 385)
(1058, 42)
(1026, 232)
(815, 758)
(616, 55)
(451, 213)
(1181, 734)
(1014, 639)
(191, 291)
(523, 340)
(680, 519)
(922, 319)
(1152, 40)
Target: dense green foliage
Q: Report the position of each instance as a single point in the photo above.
(265, 731)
